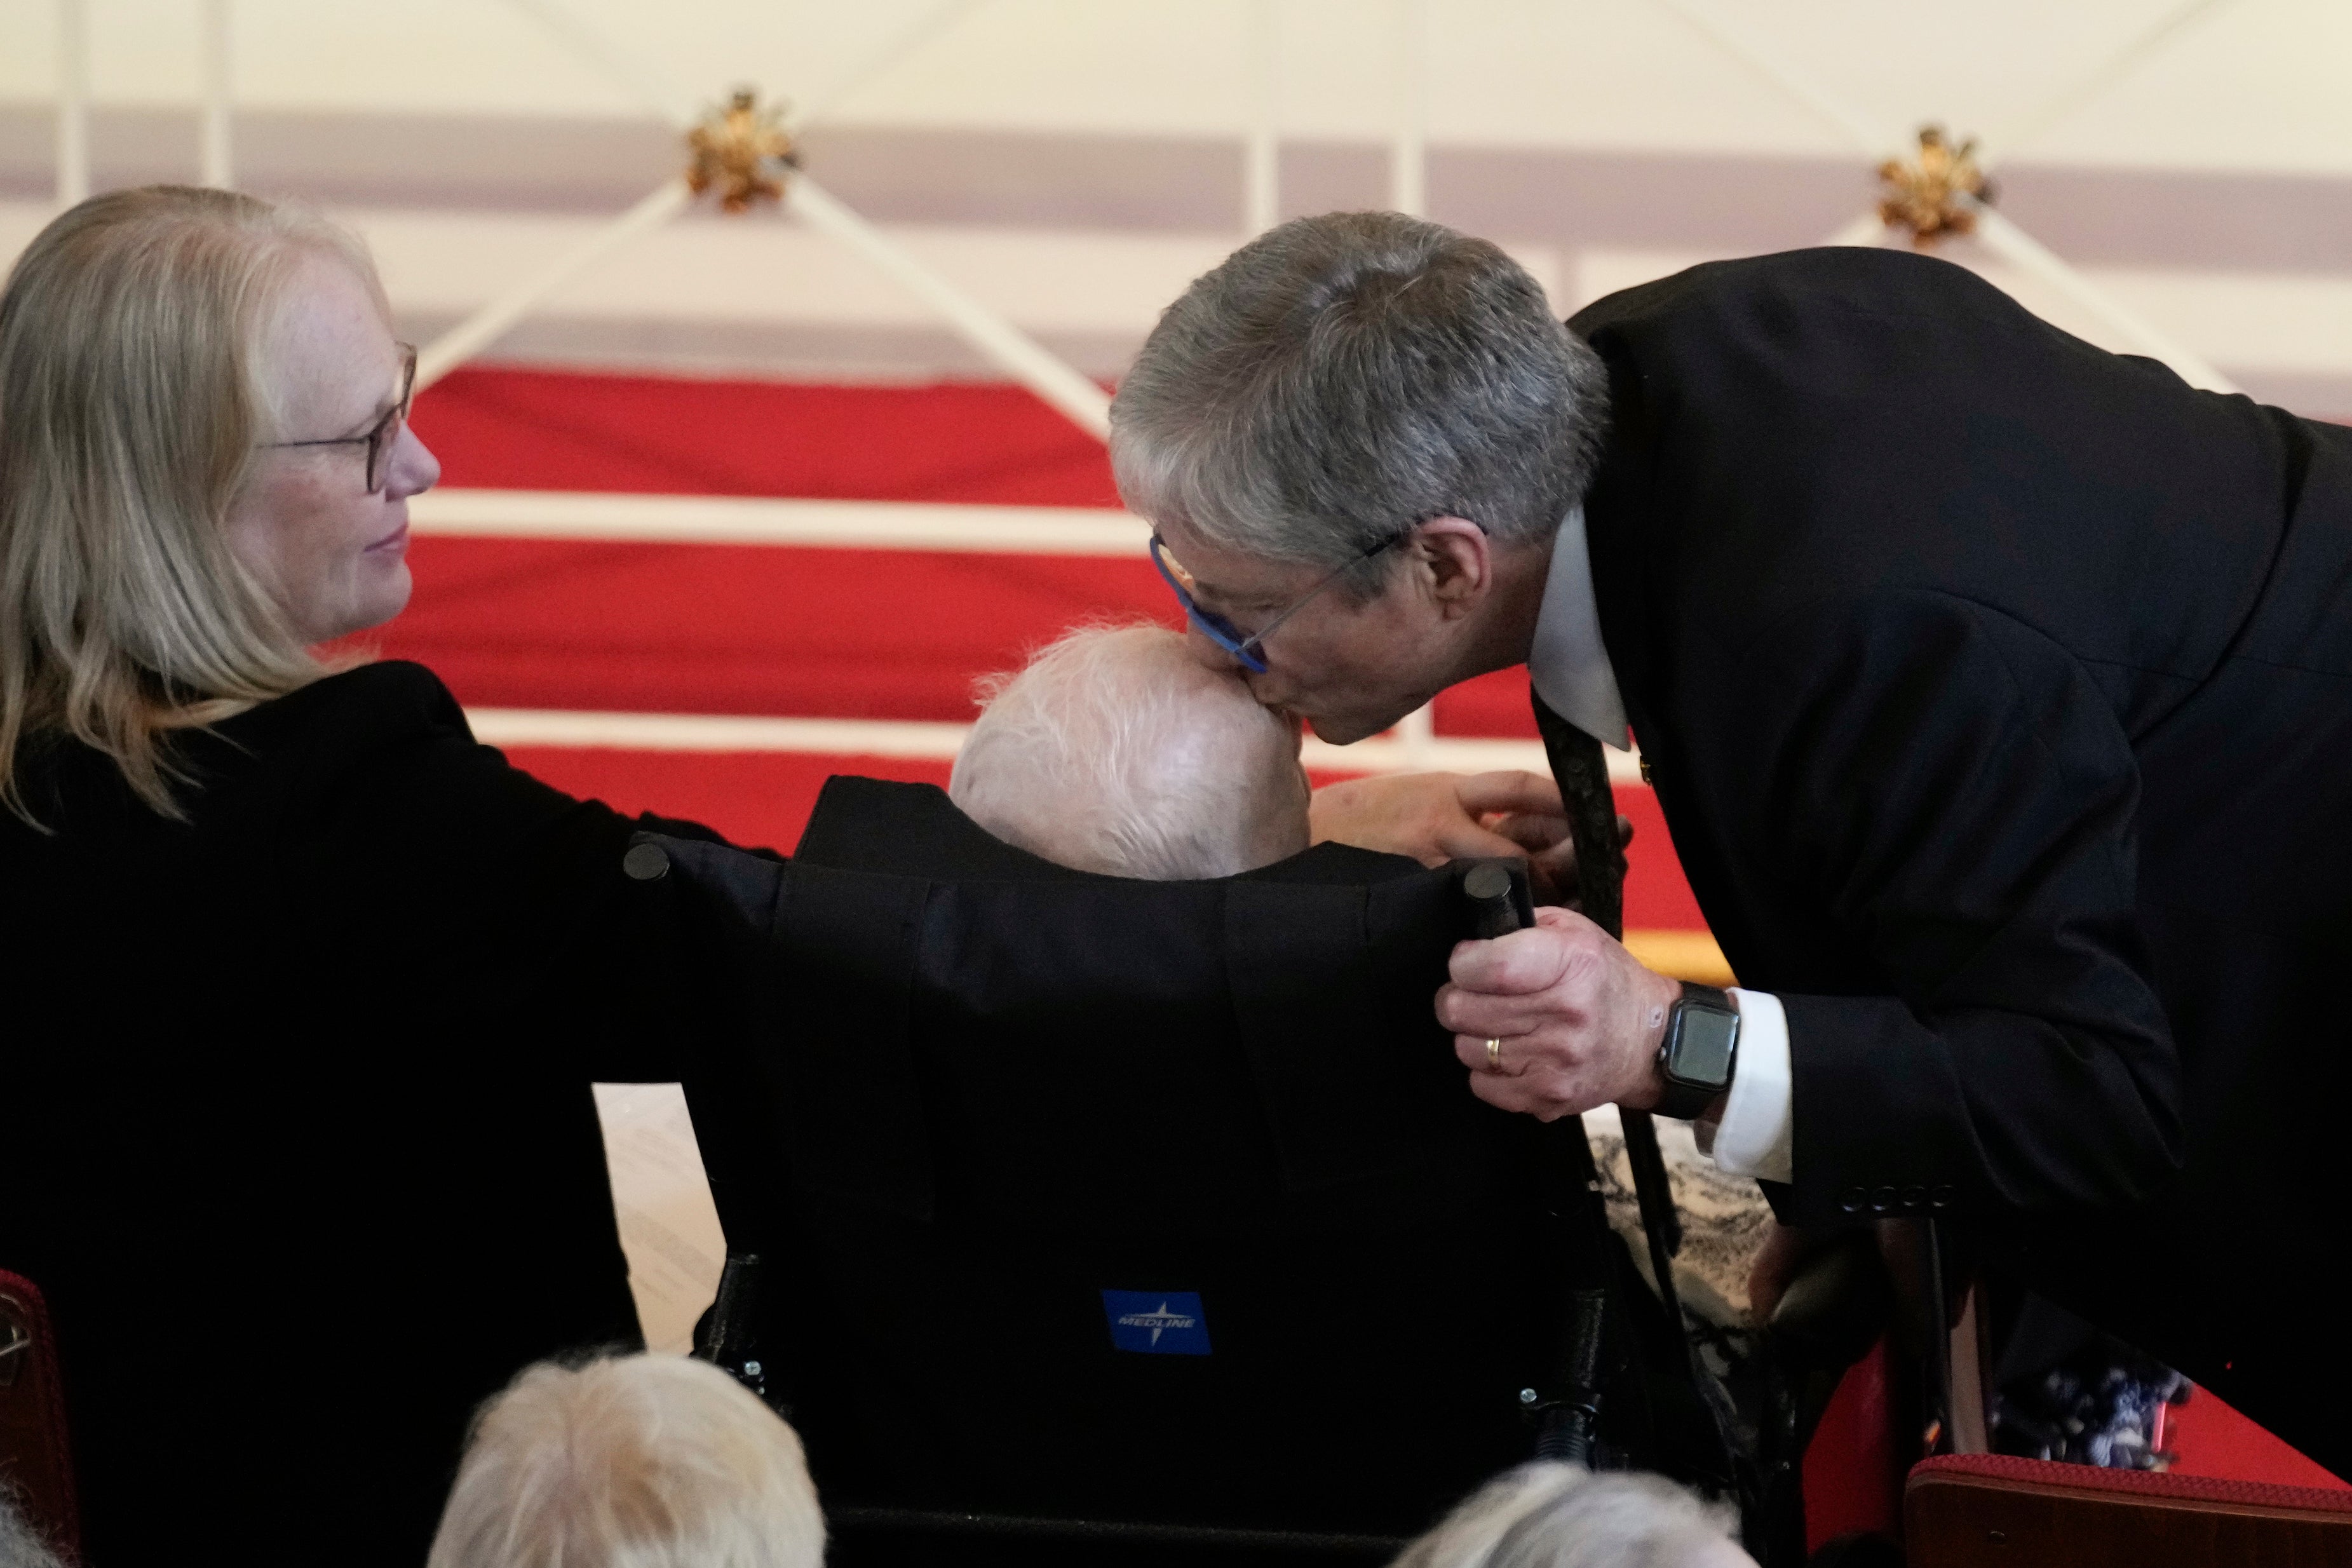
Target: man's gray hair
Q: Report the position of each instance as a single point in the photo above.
(1564, 1516)
(1116, 752)
(1339, 379)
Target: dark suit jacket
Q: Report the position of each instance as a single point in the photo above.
(295, 1123)
(1998, 695)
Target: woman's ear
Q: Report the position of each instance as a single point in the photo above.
(1457, 555)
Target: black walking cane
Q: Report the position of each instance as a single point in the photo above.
(1600, 887)
(1582, 773)
(1568, 1416)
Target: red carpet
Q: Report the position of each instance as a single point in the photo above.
(550, 430)
(733, 629)
(722, 629)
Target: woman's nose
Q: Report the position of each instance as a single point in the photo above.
(413, 469)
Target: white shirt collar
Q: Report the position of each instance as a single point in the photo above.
(1568, 664)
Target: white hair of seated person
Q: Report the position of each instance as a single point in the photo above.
(1563, 1516)
(640, 1461)
(20, 1545)
(1115, 751)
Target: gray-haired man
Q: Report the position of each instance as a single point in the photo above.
(1995, 690)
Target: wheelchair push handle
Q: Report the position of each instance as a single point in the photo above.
(1499, 897)
(1567, 1421)
(1570, 1424)
(727, 1336)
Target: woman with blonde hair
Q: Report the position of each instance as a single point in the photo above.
(643, 1461)
(306, 989)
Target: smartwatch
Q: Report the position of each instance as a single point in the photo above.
(1701, 1047)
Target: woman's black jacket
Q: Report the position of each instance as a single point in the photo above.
(296, 1130)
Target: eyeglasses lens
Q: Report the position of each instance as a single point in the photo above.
(1218, 629)
(1221, 630)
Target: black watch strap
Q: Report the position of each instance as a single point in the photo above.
(1699, 1052)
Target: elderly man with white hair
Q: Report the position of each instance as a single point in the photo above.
(1116, 752)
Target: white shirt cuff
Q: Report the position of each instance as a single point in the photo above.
(1758, 1137)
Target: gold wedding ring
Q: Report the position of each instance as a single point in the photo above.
(1494, 1056)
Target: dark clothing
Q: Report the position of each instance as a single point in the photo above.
(295, 1121)
(913, 830)
(1014, 1087)
(1997, 692)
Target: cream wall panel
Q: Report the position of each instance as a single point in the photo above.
(768, 271)
(776, 272)
(2257, 85)
(771, 271)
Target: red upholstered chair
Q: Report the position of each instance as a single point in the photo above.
(35, 1462)
(1990, 1511)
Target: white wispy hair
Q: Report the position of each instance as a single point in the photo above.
(1114, 751)
(1548, 1515)
(641, 1461)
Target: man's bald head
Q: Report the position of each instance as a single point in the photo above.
(1116, 752)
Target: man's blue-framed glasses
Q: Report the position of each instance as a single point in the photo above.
(1250, 649)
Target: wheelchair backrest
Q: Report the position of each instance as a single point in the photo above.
(1133, 1200)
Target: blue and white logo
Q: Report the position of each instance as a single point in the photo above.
(1157, 1322)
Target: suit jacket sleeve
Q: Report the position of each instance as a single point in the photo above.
(1953, 791)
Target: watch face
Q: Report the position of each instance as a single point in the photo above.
(1702, 1053)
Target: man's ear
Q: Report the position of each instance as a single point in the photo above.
(1456, 555)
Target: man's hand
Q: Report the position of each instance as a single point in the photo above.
(1437, 817)
(1579, 1017)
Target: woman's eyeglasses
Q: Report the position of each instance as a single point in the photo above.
(378, 437)
(1250, 649)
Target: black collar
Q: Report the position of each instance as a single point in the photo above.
(914, 830)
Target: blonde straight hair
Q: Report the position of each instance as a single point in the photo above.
(131, 397)
(640, 1461)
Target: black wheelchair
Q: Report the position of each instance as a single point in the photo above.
(1100, 1220)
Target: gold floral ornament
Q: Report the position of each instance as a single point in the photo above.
(738, 152)
(1938, 193)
